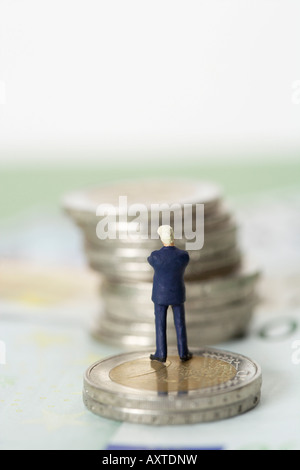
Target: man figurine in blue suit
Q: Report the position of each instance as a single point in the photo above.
(169, 265)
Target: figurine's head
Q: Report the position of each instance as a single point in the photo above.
(166, 234)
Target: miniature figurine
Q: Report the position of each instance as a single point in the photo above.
(169, 264)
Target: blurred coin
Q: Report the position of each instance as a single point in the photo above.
(225, 240)
(211, 335)
(231, 287)
(194, 314)
(130, 335)
(142, 271)
(145, 324)
(119, 256)
(143, 309)
(146, 192)
(136, 239)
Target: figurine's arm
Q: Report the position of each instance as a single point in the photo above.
(186, 258)
(150, 260)
(153, 259)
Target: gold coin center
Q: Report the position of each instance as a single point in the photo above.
(174, 375)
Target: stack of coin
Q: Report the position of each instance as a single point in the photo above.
(220, 290)
(214, 385)
(216, 310)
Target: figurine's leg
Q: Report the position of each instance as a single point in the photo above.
(182, 343)
(161, 332)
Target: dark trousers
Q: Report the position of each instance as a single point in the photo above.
(161, 329)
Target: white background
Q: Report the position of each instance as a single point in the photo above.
(85, 79)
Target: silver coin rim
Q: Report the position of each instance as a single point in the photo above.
(174, 417)
(78, 202)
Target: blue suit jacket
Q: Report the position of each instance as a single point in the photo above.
(169, 264)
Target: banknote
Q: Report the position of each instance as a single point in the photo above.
(47, 294)
(43, 274)
(41, 235)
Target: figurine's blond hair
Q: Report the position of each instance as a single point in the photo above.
(166, 234)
